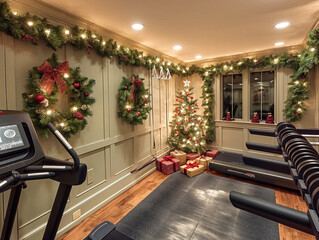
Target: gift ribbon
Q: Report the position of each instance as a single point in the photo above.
(135, 83)
(52, 75)
(190, 165)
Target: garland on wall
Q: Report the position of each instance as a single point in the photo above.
(32, 28)
(41, 97)
(134, 100)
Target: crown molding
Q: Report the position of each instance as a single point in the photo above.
(314, 26)
(272, 51)
(62, 17)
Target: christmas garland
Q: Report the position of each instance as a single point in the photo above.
(32, 28)
(134, 100)
(41, 97)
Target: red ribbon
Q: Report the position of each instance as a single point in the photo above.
(135, 83)
(168, 158)
(89, 49)
(190, 165)
(52, 75)
(27, 36)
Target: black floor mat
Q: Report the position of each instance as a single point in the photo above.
(198, 208)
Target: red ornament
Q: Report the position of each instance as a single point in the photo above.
(199, 122)
(187, 94)
(181, 93)
(77, 85)
(178, 123)
(195, 119)
(177, 111)
(195, 103)
(196, 141)
(125, 87)
(190, 139)
(78, 115)
(144, 101)
(86, 94)
(176, 108)
(182, 98)
(39, 98)
(190, 120)
(128, 109)
(138, 113)
(184, 115)
(195, 111)
(191, 97)
(185, 132)
(175, 115)
(177, 131)
(189, 109)
(177, 100)
(134, 115)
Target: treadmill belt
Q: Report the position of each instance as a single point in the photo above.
(230, 157)
(198, 208)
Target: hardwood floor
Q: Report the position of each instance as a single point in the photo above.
(115, 210)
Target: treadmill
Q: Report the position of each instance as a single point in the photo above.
(22, 159)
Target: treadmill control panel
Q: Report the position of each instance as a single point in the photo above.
(12, 138)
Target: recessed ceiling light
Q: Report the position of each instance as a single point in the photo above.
(279, 43)
(282, 25)
(137, 26)
(198, 57)
(177, 47)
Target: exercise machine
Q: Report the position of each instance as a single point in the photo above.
(22, 159)
(304, 170)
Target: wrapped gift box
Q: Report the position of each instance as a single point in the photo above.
(192, 156)
(212, 153)
(204, 160)
(192, 169)
(179, 155)
(167, 164)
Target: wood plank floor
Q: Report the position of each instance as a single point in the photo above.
(115, 210)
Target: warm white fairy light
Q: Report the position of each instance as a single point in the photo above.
(183, 104)
(255, 60)
(62, 124)
(299, 110)
(49, 112)
(66, 75)
(299, 102)
(140, 56)
(67, 32)
(197, 133)
(128, 107)
(240, 63)
(188, 141)
(187, 68)
(193, 124)
(74, 108)
(47, 31)
(30, 23)
(206, 74)
(103, 43)
(312, 49)
(83, 36)
(305, 84)
(231, 67)
(15, 13)
(214, 69)
(195, 128)
(93, 36)
(145, 96)
(196, 144)
(157, 59)
(276, 60)
(184, 140)
(118, 46)
(178, 68)
(296, 82)
(184, 71)
(225, 66)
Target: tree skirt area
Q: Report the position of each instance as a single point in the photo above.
(198, 208)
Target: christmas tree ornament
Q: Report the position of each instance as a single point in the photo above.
(41, 106)
(86, 94)
(191, 97)
(84, 107)
(39, 98)
(125, 87)
(176, 108)
(228, 117)
(138, 113)
(177, 100)
(270, 119)
(77, 85)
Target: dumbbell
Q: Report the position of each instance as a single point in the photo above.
(306, 165)
(299, 151)
(294, 147)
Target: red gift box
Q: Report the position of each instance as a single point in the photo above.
(167, 164)
(192, 156)
(212, 153)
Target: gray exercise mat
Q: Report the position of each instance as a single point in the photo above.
(198, 208)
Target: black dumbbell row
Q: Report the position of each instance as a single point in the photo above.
(303, 161)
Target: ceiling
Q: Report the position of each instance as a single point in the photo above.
(210, 28)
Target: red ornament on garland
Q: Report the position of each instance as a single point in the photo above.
(187, 94)
(185, 132)
(77, 85)
(177, 100)
(138, 113)
(134, 115)
(86, 94)
(78, 115)
(190, 139)
(199, 122)
(191, 97)
(178, 123)
(196, 141)
(177, 131)
(176, 108)
(39, 98)
(177, 111)
(195, 111)
(125, 87)
(175, 115)
(128, 109)
(195, 103)
(189, 109)
(144, 101)
(182, 98)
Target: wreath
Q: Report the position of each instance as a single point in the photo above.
(41, 96)
(134, 100)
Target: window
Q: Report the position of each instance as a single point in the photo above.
(232, 95)
(262, 93)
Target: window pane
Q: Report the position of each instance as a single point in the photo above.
(267, 94)
(227, 94)
(237, 96)
(255, 93)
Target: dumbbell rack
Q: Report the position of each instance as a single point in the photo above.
(303, 163)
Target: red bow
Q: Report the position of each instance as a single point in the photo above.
(135, 83)
(190, 165)
(52, 75)
(168, 158)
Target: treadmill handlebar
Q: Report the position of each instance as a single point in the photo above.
(281, 214)
(268, 133)
(264, 147)
(65, 144)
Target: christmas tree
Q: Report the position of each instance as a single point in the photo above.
(187, 127)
